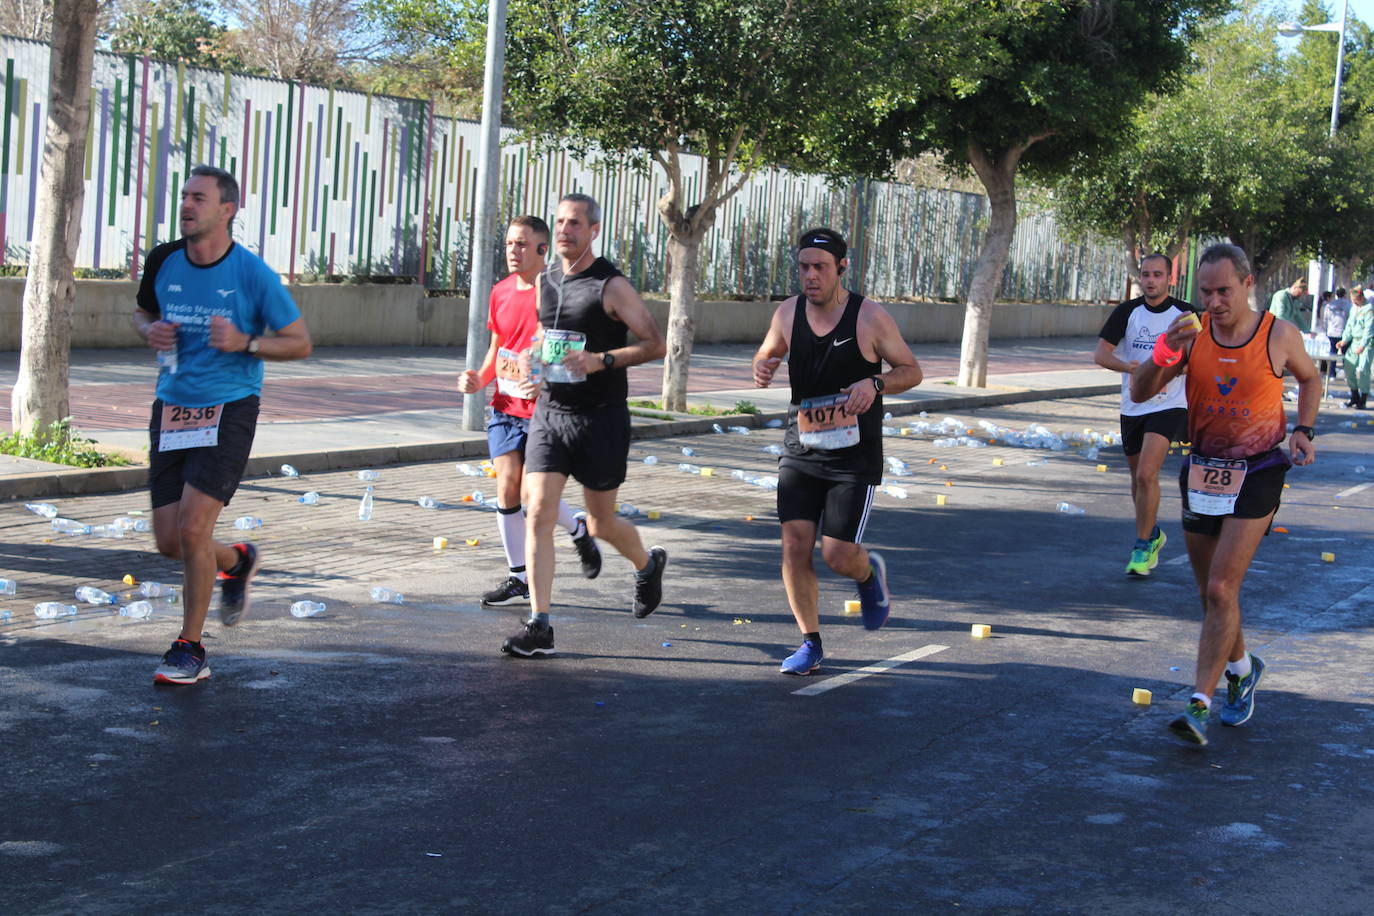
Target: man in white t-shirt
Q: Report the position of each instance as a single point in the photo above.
(1146, 429)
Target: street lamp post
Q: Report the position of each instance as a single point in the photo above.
(1293, 30)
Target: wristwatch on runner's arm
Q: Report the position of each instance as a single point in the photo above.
(252, 348)
(1307, 431)
(878, 383)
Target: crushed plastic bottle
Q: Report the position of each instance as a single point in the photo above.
(628, 510)
(1070, 509)
(774, 423)
(8, 587)
(307, 609)
(51, 610)
(365, 506)
(1037, 462)
(6, 616)
(768, 482)
(70, 526)
(896, 492)
(651, 459)
(427, 502)
(92, 595)
(743, 475)
(47, 510)
(158, 590)
(898, 466)
(689, 468)
(716, 427)
(288, 471)
(478, 498)
(106, 531)
(688, 452)
(369, 475)
(247, 523)
(138, 610)
(468, 470)
(739, 430)
(387, 596)
(774, 449)
(890, 431)
(310, 499)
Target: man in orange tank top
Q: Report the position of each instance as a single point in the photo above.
(1232, 481)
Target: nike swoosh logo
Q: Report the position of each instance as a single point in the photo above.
(839, 342)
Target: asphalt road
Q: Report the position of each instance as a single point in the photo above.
(387, 758)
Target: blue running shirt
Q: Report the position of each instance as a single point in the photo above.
(239, 286)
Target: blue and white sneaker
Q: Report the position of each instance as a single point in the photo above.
(873, 597)
(1240, 693)
(805, 660)
(182, 664)
(1191, 725)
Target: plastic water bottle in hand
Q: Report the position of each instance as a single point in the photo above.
(92, 595)
(307, 609)
(387, 596)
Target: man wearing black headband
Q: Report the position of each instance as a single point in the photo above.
(836, 342)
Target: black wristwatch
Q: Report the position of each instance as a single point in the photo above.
(608, 359)
(878, 384)
(1307, 431)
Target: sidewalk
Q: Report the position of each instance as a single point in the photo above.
(354, 407)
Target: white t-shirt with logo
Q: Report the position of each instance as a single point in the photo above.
(1133, 328)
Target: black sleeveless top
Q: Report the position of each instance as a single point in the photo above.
(818, 366)
(581, 309)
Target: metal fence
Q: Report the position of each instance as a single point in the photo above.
(337, 182)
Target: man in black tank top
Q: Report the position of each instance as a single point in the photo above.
(837, 341)
(581, 422)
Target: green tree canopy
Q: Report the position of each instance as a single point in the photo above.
(168, 30)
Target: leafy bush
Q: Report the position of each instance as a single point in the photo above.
(58, 445)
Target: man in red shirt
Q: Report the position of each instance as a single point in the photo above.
(513, 320)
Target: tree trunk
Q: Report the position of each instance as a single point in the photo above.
(999, 179)
(683, 311)
(1130, 239)
(40, 391)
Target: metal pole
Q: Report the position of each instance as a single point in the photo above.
(488, 176)
(1340, 65)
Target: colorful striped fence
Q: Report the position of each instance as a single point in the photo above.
(337, 182)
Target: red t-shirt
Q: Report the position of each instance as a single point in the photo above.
(515, 317)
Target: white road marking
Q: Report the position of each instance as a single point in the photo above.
(1176, 561)
(1358, 488)
(849, 677)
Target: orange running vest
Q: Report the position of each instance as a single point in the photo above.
(1235, 401)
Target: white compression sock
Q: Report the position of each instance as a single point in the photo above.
(1240, 669)
(511, 523)
(565, 516)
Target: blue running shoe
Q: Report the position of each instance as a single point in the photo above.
(182, 664)
(873, 597)
(1191, 726)
(804, 661)
(1240, 693)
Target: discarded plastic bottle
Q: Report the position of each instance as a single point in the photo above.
(469, 471)
(288, 471)
(106, 531)
(628, 510)
(1359, 469)
(890, 431)
(774, 423)
(157, 590)
(1071, 509)
(651, 459)
(92, 595)
(898, 466)
(139, 610)
(894, 491)
(887, 416)
(717, 428)
(775, 449)
(51, 610)
(689, 452)
(1037, 462)
(8, 587)
(6, 616)
(427, 502)
(689, 468)
(365, 506)
(307, 609)
(47, 510)
(247, 523)
(1091, 454)
(167, 359)
(70, 526)
(481, 500)
(739, 430)
(768, 482)
(309, 499)
(387, 596)
(369, 475)
(123, 523)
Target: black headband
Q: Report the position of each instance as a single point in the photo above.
(826, 240)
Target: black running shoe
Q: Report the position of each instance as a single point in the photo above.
(649, 583)
(512, 591)
(234, 600)
(182, 664)
(587, 551)
(534, 638)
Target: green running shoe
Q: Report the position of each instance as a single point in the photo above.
(1191, 726)
(1156, 546)
(1140, 565)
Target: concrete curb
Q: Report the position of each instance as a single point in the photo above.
(89, 481)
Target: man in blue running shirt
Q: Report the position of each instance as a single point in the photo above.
(204, 305)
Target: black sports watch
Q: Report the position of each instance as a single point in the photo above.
(608, 359)
(1307, 431)
(878, 383)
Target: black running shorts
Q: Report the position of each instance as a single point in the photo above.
(839, 508)
(1259, 497)
(589, 445)
(214, 470)
(1172, 424)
